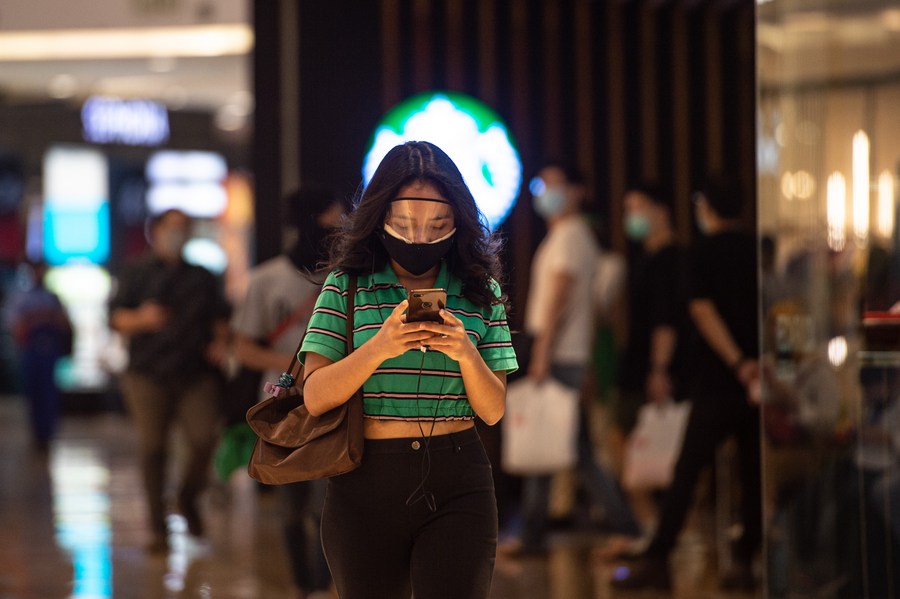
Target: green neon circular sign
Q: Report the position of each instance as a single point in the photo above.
(470, 132)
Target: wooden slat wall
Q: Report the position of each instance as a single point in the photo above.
(615, 46)
(566, 32)
(625, 89)
(681, 138)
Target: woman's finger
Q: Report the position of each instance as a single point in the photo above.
(436, 328)
(397, 312)
(449, 319)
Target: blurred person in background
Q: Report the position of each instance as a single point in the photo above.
(42, 334)
(654, 366)
(724, 389)
(655, 362)
(559, 320)
(267, 328)
(174, 316)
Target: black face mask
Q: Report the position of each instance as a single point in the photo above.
(415, 258)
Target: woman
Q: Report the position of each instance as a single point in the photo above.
(419, 515)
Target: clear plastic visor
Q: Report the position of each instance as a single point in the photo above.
(420, 221)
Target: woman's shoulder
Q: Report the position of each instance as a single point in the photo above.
(339, 278)
(470, 306)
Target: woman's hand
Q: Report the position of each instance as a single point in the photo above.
(449, 338)
(396, 336)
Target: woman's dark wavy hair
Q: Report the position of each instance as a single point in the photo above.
(474, 257)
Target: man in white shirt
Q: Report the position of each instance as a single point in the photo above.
(559, 318)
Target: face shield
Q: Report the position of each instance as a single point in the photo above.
(418, 233)
(415, 220)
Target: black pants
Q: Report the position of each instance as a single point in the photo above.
(379, 545)
(710, 423)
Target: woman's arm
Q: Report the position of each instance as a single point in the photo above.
(328, 384)
(485, 389)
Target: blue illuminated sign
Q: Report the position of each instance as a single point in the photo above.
(76, 206)
(130, 122)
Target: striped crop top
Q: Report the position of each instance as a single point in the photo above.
(396, 391)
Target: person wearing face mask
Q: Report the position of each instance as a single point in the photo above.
(655, 362)
(174, 317)
(267, 326)
(559, 319)
(724, 388)
(419, 515)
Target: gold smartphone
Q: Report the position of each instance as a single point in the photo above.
(425, 305)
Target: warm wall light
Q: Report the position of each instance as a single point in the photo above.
(837, 351)
(804, 185)
(89, 44)
(836, 210)
(861, 186)
(787, 185)
(885, 210)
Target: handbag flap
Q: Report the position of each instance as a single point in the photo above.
(286, 422)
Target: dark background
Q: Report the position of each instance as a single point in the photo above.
(630, 91)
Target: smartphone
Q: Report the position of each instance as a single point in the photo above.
(426, 304)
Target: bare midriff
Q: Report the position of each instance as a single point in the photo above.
(399, 429)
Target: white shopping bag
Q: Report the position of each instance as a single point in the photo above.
(654, 444)
(540, 427)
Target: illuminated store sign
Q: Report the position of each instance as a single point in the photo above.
(472, 135)
(76, 206)
(130, 122)
(191, 181)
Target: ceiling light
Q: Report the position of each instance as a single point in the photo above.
(91, 44)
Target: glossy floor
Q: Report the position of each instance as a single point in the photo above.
(72, 525)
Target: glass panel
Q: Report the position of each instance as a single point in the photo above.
(829, 151)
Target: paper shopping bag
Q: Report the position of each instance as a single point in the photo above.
(653, 446)
(540, 427)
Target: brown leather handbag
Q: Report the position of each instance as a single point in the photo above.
(293, 445)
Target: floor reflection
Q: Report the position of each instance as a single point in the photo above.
(72, 526)
(80, 491)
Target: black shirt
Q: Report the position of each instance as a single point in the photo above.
(657, 297)
(724, 271)
(195, 302)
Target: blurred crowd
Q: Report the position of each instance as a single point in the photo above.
(635, 333)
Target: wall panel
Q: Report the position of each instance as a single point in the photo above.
(628, 91)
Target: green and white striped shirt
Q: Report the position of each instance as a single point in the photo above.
(396, 391)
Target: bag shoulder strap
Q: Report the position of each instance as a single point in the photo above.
(351, 308)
